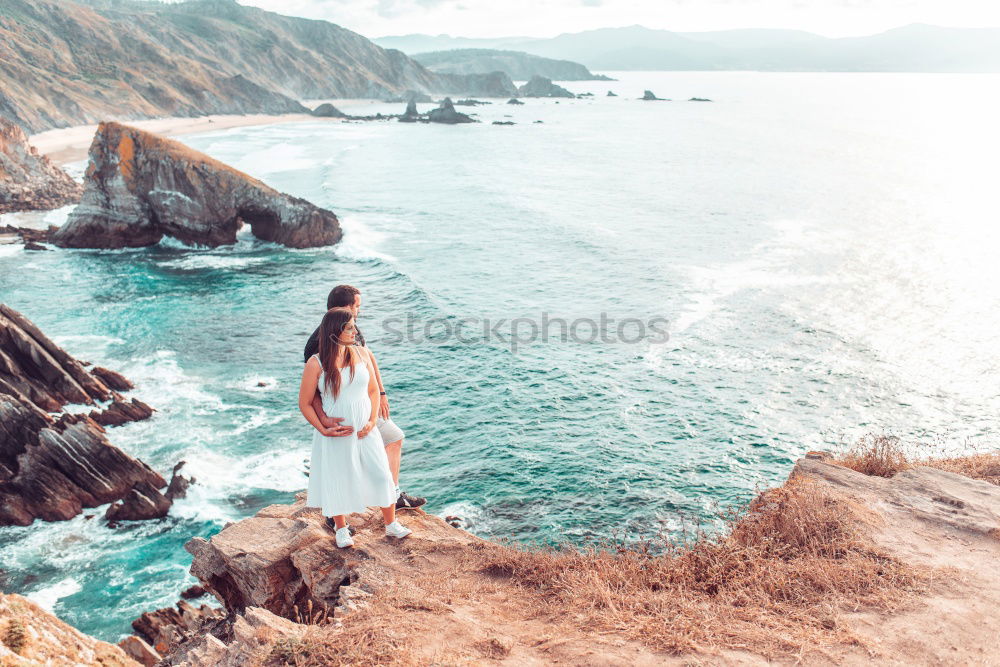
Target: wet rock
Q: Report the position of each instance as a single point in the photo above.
(178, 483)
(411, 115)
(539, 86)
(514, 100)
(193, 592)
(141, 187)
(143, 501)
(611, 93)
(122, 412)
(699, 99)
(504, 122)
(648, 96)
(29, 181)
(470, 103)
(30, 245)
(114, 380)
(446, 114)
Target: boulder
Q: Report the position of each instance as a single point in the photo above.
(539, 86)
(29, 181)
(611, 94)
(514, 100)
(141, 187)
(649, 96)
(327, 110)
(446, 114)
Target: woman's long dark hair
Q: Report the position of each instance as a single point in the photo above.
(330, 348)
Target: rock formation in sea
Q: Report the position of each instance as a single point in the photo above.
(327, 110)
(141, 187)
(29, 181)
(504, 122)
(514, 100)
(411, 115)
(539, 86)
(699, 99)
(53, 466)
(470, 103)
(611, 93)
(446, 113)
(649, 96)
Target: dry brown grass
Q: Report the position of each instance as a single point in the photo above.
(884, 456)
(876, 455)
(774, 585)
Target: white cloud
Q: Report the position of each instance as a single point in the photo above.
(543, 18)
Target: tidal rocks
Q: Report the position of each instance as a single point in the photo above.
(504, 122)
(611, 93)
(514, 100)
(699, 99)
(446, 114)
(649, 96)
(52, 467)
(29, 181)
(470, 103)
(327, 110)
(539, 86)
(141, 187)
(411, 115)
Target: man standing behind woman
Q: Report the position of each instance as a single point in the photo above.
(348, 296)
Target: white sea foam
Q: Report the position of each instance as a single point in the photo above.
(360, 241)
(48, 596)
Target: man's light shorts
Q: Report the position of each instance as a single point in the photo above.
(390, 432)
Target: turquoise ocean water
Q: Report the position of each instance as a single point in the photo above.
(824, 247)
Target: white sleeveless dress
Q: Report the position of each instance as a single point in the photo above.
(349, 474)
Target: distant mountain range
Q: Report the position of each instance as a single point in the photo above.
(516, 64)
(68, 62)
(912, 48)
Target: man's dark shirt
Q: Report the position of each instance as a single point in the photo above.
(312, 345)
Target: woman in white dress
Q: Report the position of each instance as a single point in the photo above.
(348, 473)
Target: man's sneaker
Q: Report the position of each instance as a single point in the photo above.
(332, 525)
(344, 538)
(396, 529)
(408, 502)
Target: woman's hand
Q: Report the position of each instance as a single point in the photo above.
(333, 424)
(383, 408)
(366, 429)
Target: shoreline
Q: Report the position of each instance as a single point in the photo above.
(70, 144)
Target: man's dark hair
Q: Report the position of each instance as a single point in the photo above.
(342, 296)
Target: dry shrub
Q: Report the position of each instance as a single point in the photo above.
(876, 455)
(981, 466)
(773, 584)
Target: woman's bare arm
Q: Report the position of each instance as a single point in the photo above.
(307, 391)
(373, 395)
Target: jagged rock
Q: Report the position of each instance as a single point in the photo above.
(50, 641)
(116, 381)
(446, 114)
(411, 115)
(143, 501)
(31, 245)
(249, 636)
(193, 592)
(122, 412)
(29, 181)
(327, 110)
(611, 94)
(166, 628)
(514, 100)
(139, 651)
(582, 95)
(539, 86)
(52, 468)
(141, 187)
(648, 96)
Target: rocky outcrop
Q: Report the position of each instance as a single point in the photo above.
(29, 181)
(514, 100)
(327, 110)
(611, 93)
(649, 96)
(445, 113)
(52, 467)
(411, 115)
(699, 99)
(517, 65)
(141, 187)
(539, 86)
(31, 636)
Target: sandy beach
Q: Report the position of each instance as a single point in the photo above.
(70, 144)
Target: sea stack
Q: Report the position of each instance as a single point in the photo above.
(141, 187)
(649, 96)
(446, 114)
(29, 181)
(539, 86)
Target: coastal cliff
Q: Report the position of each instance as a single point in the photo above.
(54, 465)
(517, 65)
(29, 181)
(69, 63)
(834, 566)
(140, 187)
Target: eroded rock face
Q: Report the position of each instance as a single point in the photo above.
(51, 467)
(446, 113)
(141, 187)
(29, 181)
(539, 86)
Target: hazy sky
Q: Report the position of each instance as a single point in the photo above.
(544, 18)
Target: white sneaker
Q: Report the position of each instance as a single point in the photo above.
(344, 538)
(396, 529)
